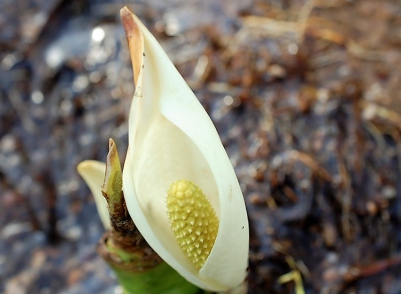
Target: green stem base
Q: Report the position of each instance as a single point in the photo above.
(139, 269)
(160, 280)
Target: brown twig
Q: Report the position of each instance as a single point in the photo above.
(358, 272)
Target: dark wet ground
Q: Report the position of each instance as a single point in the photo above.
(306, 98)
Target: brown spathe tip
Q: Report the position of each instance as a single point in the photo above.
(134, 39)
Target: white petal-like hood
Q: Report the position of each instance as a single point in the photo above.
(93, 173)
(171, 137)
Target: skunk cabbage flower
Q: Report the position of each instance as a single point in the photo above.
(179, 185)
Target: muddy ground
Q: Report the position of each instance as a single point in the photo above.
(305, 96)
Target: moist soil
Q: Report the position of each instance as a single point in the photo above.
(304, 94)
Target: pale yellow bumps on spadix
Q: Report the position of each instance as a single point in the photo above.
(193, 220)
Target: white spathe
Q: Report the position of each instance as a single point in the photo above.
(171, 137)
(93, 173)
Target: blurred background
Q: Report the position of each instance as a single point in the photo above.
(306, 98)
